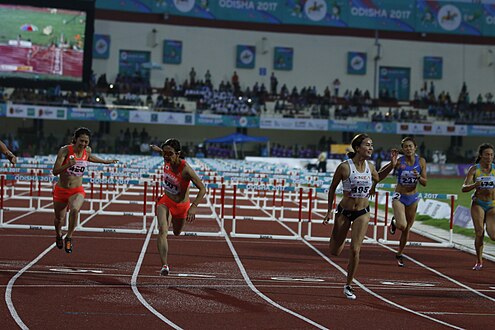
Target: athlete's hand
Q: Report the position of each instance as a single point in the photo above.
(72, 160)
(394, 154)
(327, 217)
(191, 214)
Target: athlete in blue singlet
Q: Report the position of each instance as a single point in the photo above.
(410, 170)
(358, 177)
(481, 178)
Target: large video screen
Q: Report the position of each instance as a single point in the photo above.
(46, 43)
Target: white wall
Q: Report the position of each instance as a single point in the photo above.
(318, 60)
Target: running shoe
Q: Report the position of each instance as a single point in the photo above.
(68, 244)
(165, 270)
(400, 260)
(478, 266)
(349, 292)
(392, 228)
(59, 241)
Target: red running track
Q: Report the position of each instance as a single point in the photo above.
(112, 280)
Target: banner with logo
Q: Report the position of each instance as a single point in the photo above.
(395, 81)
(449, 17)
(101, 46)
(377, 127)
(431, 129)
(132, 62)
(479, 130)
(317, 12)
(256, 11)
(343, 126)
(164, 118)
(389, 15)
(227, 121)
(245, 57)
(294, 124)
(430, 16)
(172, 51)
(356, 63)
(36, 112)
(283, 58)
(98, 114)
(432, 67)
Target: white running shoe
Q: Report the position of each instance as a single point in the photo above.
(349, 292)
(478, 266)
(165, 270)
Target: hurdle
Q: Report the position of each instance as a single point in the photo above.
(449, 197)
(125, 184)
(281, 219)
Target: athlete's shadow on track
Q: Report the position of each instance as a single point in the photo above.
(222, 298)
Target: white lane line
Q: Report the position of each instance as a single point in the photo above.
(10, 285)
(441, 274)
(250, 283)
(365, 288)
(136, 273)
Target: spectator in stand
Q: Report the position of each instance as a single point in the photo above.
(235, 83)
(273, 84)
(336, 87)
(192, 77)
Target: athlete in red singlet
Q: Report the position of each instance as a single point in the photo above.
(71, 163)
(174, 206)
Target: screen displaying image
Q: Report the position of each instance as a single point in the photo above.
(43, 44)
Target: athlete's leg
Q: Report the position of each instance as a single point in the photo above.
(60, 210)
(339, 233)
(410, 212)
(478, 216)
(164, 217)
(399, 214)
(359, 228)
(75, 203)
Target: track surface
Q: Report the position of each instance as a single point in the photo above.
(112, 281)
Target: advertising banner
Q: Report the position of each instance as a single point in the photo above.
(131, 62)
(356, 63)
(227, 121)
(317, 12)
(432, 67)
(461, 17)
(36, 112)
(449, 17)
(389, 15)
(395, 82)
(294, 124)
(172, 52)
(432, 129)
(167, 118)
(283, 58)
(98, 114)
(245, 57)
(101, 46)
